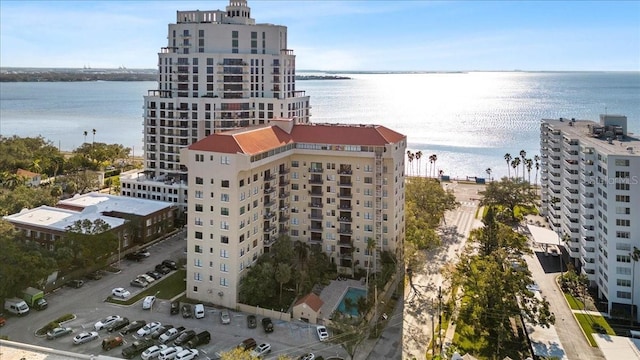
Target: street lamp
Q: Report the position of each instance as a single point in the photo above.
(635, 256)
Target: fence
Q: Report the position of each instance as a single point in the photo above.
(257, 310)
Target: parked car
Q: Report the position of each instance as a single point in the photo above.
(248, 344)
(169, 353)
(152, 352)
(120, 293)
(148, 302)
(134, 326)
(161, 330)
(58, 332)
(201, 338)
(137, 282)
(323, 334)
(175, 307)
(111, 342)
(85, 337)
(187, 354)
(104, 323)
(308, 356)
(170, 264)
(149, 328)
(75, 283)
(162, 269)
(118, 324)
(198, 311)
(146, 278)
(261, 350)
(251, 321)
(186, 311)
(154, 274)
(224, 317)
(184, 337)
(267, 325)
(171, 334)
(134, 256)
(96, 275)
(144, 253)
(137, 347)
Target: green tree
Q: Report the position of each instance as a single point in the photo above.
(283, 276)
(509, 193)
(25, 197)
(91, 242)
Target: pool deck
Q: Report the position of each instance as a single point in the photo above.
(332, 294)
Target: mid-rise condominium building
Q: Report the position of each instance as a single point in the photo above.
(337, 187)
(590, 196)
(219, 71)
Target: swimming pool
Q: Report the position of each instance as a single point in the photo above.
(354, 294)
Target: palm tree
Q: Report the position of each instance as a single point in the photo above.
(489, 173)
(529, 164)
(94, 137)
(523, 155)
(371, 245)
(508, 158)
(85, 133)
(433, 158)
(418, 156)
(411, 156)
(514, 164)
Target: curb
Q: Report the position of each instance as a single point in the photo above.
(573, 315)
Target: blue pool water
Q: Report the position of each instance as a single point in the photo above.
(354, 294)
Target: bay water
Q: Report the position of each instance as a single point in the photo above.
(469, 120)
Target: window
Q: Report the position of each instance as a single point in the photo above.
(224, 197)
(199, 235)
(295, 163)
(198, 249)
(622, 186)
(294, 187)
(623, 234)
(224, 183)
(198, 194)
(199, 158)
(224, 160)
(623, 258)
(623, 246)
(197, 277)
(224, 282)
(368, 228)
(623, 222)
(624, 295)
(198, 207)
(622, 174)
(223, 267)
(224, 253)
(623, 282)
(622, 162)
(224, 225)
(368, 168)
(224, 239)
(622, 198)
(197, 262)
(199, 180)
(224, 211)
(368, 180)
(623, 270)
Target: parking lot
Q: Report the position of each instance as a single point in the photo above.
(88, 304)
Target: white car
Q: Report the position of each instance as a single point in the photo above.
(106, 322)
(149, 328)
(120, 293)
(309, 356)
(169, 353)
(169, 335)
(323, 334)
(261, 350)
(148, 302)
(224, 317)
(153, 352)
(187, 354)
(146, 277)
(85, 337)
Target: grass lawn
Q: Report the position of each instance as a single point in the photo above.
(589, 323)
(167, 287)
(574, 303)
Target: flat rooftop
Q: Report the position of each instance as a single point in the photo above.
(618, 347)
(123, 204)
(581, 129)
(11, 350)
(58, 219)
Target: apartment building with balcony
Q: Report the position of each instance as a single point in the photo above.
(335, 187)
(219, 71)
(590, 174)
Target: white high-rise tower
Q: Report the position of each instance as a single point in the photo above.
(219, 71)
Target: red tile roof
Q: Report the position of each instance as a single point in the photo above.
(26, 173)
(312, 300)
(256, 140)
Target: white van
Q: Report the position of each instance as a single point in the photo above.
(198, 311)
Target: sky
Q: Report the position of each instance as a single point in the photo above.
(352, 35)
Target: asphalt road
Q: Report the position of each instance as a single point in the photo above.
(88, 305)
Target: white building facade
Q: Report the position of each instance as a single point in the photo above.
(219, 71)
(336, 187)
(590, 196)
